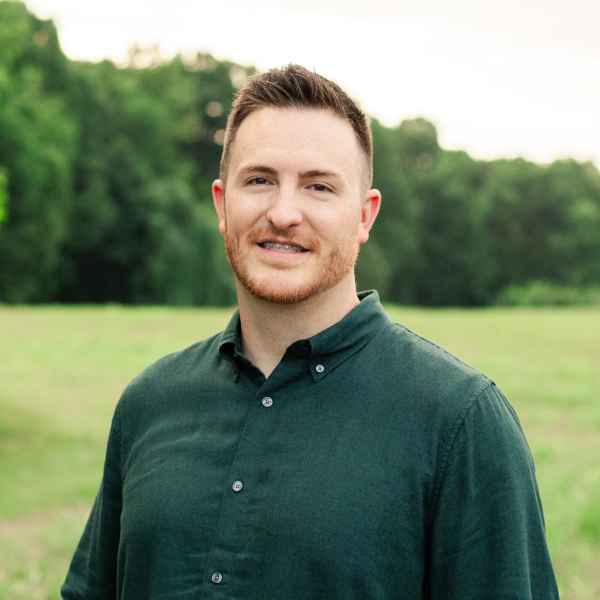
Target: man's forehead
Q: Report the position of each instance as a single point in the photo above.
(271, 124)
(316, 139)
(292, 114)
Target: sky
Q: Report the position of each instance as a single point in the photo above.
(498, 78)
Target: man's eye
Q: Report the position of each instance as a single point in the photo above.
(258, 181)
(319, 187)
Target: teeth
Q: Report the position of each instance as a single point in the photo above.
(281, 247)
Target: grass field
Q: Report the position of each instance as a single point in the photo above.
(63, 369)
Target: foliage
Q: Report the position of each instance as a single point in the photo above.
(457, 231)
(37, 149)
(108, 170)
(3, 196)
(109, 173)
(546, 293)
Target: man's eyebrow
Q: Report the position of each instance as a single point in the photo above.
(319, 173)
(304, 175)
(258, 169)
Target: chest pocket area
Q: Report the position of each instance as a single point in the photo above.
(342, 508)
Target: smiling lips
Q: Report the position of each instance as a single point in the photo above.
(282, 247)
(290, 243)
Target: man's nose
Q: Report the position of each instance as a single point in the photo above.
(285, 209)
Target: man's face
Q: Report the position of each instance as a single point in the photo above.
(295, 210)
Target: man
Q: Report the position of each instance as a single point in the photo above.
(314, 449)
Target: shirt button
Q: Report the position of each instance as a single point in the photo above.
(237, 486)
(319, 368)
(217, 577)
(267, 402)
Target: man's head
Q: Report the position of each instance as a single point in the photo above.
(297, 203)
(296, 87)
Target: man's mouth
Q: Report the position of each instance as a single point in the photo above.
(282, 247)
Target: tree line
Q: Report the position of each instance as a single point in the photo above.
(106, 171)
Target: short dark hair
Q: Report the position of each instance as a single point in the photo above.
(294, 86)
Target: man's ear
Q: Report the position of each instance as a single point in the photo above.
(370, 208)
(218, 192)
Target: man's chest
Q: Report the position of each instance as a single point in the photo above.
(307, 480)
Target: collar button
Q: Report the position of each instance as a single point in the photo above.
(319, 368)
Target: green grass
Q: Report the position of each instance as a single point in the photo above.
(63, 369)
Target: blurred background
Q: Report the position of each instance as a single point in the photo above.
(486, 134)
(485, 121)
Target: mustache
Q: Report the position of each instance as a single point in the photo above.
(294, 237)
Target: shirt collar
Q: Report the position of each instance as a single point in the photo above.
(230, 338)
(330, 347)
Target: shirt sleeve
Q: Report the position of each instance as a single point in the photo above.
(93, 571)
(488, 537)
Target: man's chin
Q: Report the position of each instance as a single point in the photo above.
(281, 292)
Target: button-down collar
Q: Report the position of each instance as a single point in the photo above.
(326, 350)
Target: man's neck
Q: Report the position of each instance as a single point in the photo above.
(268, 329)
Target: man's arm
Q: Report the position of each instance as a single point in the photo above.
(93, 571)
(488, 537)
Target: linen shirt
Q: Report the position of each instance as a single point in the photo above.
(370, 465)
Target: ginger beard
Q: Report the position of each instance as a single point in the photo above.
(332, 269)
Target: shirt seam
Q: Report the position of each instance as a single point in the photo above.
(452, 435)
(118, 423)
(118, 428)
(119, 433)
(446, 352)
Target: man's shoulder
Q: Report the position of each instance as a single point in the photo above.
(412, 347)
(426, 372)
(175, 372)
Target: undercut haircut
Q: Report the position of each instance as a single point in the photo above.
(294, 86)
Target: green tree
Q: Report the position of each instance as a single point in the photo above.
(37, 145)
(108, 171)
(3, 195)
(138, 173)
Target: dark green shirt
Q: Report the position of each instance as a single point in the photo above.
(370, 465)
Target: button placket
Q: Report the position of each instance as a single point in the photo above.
(235, 504)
